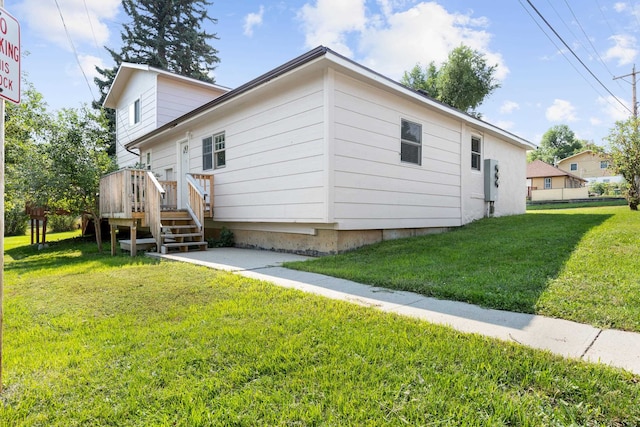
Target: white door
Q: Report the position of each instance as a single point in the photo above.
(184, 170)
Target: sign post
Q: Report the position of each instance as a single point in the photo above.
(9, 90)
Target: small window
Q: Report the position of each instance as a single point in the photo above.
(207, 151)
(213, 152)
(411, 142)
(219, 151)
(573, 167)
(148, 160)
(476, 153)
(604, 164)
(134, 112)
(547, 183)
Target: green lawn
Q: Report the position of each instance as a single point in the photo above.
(97, 340)
(578, 264)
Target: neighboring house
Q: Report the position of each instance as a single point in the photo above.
(546, 182)
(590, 165)
(321, 155)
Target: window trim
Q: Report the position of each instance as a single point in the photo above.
(476, 153)
(550, 181)
(410, 143)
(212, 152)
(606, 164)
(573, 167)
(135, 112)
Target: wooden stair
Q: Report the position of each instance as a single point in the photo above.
(179, 231)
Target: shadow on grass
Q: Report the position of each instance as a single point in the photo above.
(66, 253)
(502, 263)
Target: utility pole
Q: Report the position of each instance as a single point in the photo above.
(633, 89)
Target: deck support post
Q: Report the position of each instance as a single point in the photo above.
(113, 229)
(132, 223)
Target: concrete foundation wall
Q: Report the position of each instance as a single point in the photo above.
(323, 242)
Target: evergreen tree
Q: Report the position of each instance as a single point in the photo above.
(165, 34)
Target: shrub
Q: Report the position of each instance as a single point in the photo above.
(15, 221)
(60, 223)
(225, 240)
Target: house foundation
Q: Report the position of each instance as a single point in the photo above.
(323, 241)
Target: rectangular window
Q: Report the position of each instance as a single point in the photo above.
(219, 151)
(573, 166)
(604, 164)
(148, 160)
(411, 142)
(213, 152)
(207, 152)
(134, 112)
(476, 153)
(547, 183)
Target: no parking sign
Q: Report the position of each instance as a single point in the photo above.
(9, 57)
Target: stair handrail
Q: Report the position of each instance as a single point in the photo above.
(155, 193)
(196, 200)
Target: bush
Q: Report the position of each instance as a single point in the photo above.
(15, 221)
(599, 188)
(226, 239)
(61, 223)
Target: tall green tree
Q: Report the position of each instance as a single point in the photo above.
(26, 126)
(166, 34)
(624, 142)
(557, 143)
(63, 172)
(463, 81)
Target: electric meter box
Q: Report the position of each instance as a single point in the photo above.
(491, 180)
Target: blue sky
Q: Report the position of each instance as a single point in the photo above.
(542, 83)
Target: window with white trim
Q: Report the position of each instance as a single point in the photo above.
(476, 153)
(604, 164)
(411, 142)
(573, 167)
(134, 112)
(547, 183)
(214, 152)
(148, 164)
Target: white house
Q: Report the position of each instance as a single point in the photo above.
(319, 155)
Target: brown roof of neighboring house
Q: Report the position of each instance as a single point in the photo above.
(540, 169)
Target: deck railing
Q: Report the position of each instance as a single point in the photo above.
(155, 194)
(170, 200)
(206, 182)
(122, 193)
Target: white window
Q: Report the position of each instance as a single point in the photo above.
(213, 152)
(134, 112)
(573, 167)
(411, 142)
(604, 164)
(148, 164)
(547, 183)
(476, 153)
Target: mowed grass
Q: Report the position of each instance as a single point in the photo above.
(577, 264)
(97, 340)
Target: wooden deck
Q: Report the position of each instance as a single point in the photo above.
(134, 198)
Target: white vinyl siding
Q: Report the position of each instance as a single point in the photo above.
(373, 188)
(176, 98)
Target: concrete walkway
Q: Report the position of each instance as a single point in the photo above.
(562, 337)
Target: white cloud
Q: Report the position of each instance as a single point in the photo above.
(508, 107)
(253, 20)
(561, 111)
(623, 50)
(613, 110)
(398, 36)
(328, 22)
(85, 21)
(595, 121)
(620, 6)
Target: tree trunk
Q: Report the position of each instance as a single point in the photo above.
(98, 230)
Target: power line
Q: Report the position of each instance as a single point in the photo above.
(75, 52)
(562, 53)
(95, 40)
(576, 56)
